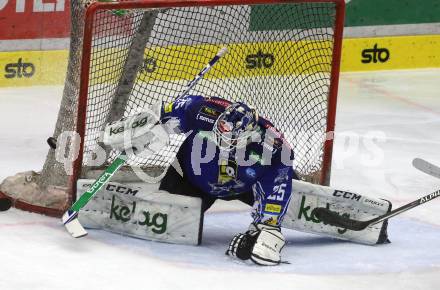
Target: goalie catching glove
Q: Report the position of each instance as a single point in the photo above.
(261, 243)
(141, 134)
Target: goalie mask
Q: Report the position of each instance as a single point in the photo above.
(235, 126)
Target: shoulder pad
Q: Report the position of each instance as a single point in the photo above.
(219, 101)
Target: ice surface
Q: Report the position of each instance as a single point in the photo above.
(398, 111)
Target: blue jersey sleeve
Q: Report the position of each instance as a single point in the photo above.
(182, 112)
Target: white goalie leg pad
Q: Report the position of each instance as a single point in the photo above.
(267, 248)
(307, 196)
(143, 212)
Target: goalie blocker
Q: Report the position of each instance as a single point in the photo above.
(144, 212)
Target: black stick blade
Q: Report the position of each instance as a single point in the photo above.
(335, 219)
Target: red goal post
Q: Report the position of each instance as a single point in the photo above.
(306, 52)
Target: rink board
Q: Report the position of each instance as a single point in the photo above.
(358, 54)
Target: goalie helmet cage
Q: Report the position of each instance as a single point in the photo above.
(283, 59)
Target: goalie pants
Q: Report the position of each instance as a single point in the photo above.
(175, 183)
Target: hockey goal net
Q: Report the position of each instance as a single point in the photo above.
(283, 59)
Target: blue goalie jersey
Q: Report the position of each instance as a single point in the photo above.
(263, 167)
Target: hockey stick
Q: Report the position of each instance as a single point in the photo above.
(334, 219)
(426, 167)
(206, 69)
(70, 217)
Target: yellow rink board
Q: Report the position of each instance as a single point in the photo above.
(404, 52)
(179, 62)
(30, 68)
(27, 68)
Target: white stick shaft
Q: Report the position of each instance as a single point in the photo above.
(205, 70)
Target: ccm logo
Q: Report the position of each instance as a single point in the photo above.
(347, 195)
(39, 6)
(116, 188)
(260, 60)
(19, 69)
(375, 54)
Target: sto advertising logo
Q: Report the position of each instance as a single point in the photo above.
(375, 54)
(19, 69)
(259, 60)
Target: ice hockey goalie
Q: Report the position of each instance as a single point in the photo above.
(232, 153)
